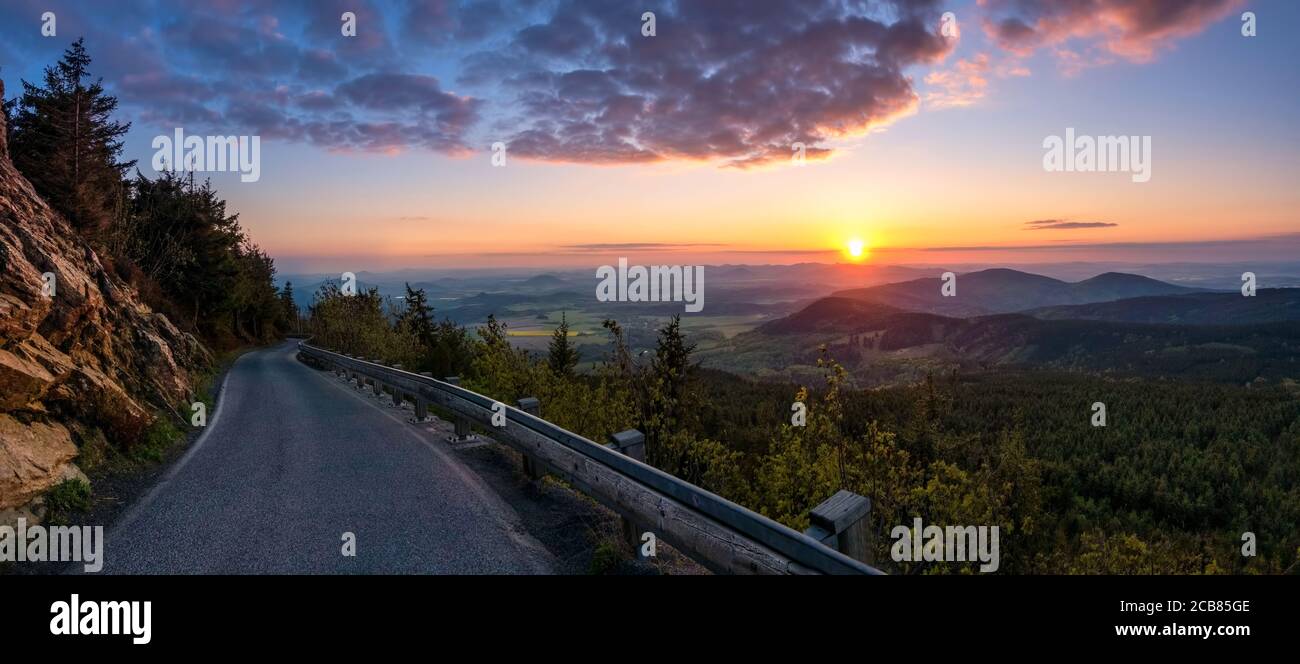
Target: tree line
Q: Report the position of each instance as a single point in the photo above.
(170, 237)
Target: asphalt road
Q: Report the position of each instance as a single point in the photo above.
(292, 460)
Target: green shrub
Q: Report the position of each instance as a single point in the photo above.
(65, 499)
(606, 558)
(156, 439)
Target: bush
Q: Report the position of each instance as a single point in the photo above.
(156, 439)
(65, 499)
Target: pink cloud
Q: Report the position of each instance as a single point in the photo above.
(1084, 33)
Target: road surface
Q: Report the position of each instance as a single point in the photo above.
(292, 460)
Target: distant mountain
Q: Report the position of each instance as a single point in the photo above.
(833, 314)
(1003, 290)
(544, 282)
(1214, 336)
(474, 309)
(1272, 305)
(881, 344)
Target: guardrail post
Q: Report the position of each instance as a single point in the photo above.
(532, 468)
(841, 523)
(463, 433)
(421, 404)
(630, 443)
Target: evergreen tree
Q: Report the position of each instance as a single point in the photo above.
(563, 357)
(64, 140)
(453, 351)
(667, 383)
(289, 307)
(418, 317)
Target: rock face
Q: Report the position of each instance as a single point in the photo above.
(89, 353)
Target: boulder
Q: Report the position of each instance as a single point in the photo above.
(33, 457)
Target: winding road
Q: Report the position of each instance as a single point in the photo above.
(292, 459)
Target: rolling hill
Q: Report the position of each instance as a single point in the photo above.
(1210, 336)
(1272, 305)
(1002, 290)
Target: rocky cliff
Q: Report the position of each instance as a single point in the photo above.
(86, 358)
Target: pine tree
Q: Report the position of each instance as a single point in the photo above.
(418, 317)
(563, 356)
(668, 381)
(64, 140)
(290, 307)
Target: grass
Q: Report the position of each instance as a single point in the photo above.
(156, 439)
(65, 499)
(607, 557)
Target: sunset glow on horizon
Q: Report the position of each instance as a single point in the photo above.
(372, 161)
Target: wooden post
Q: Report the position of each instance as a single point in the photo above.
(841, 523)
(463, 432)
(532, 468)
(630, 443)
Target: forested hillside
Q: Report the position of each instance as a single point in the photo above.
(1268, 305)
(1002, 290)
(1169, 486)
(880, 343)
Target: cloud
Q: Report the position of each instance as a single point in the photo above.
(1062, 224)
(728, 80)
(603, 247)
(1083, 33)
(438, 22)
(407, 92)
(1282, 244)
(279, 69)
(962, 85)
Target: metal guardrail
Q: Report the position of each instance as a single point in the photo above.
(806, 554)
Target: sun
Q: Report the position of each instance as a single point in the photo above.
(857, 249)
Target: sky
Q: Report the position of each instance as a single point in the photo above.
(923, 124)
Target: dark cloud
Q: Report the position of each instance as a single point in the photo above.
(372, 45)
(1062, 224)
(728, 80)
(319, 65)
(397, 91)
(278, 68)
(734, 81)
